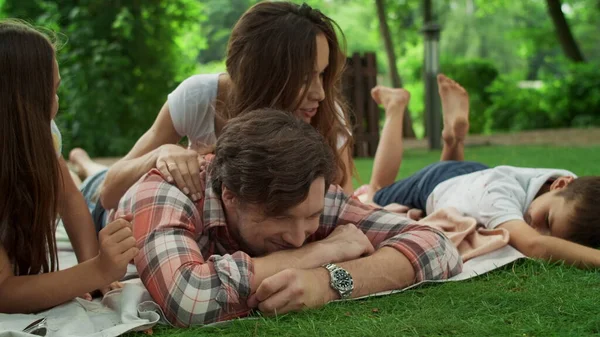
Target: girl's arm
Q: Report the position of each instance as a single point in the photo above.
(34, 293)
(76, 217)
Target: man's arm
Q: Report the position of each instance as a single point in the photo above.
(533, 244)
(178, 262)
(407, 253)
(431, 253)
(297, 289)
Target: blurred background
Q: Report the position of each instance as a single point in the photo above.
(527, 64)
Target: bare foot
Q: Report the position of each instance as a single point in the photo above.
(82, 164)
(77, 158)
(455, 108)
(390, 97)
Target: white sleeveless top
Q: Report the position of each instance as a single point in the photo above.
(192, 108)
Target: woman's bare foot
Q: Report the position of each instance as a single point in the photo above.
(455, 108)
(394, 100)
(83, 164)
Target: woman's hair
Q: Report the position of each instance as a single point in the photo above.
(271, 58)
(274, 163)
(29, 172)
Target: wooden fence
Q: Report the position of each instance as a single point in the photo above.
(358, 80)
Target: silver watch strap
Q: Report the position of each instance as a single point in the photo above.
(331, 266)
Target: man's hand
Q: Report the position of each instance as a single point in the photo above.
(293, 290)
(347, 242)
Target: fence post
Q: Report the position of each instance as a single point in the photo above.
(358, 80)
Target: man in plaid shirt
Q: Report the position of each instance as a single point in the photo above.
(262, 231)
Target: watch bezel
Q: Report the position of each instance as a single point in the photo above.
(337, 277)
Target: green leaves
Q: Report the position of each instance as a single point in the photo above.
(120, 63)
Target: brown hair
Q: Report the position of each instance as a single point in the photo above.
(584, 193)
(270, 60)
(29, 173)
(270, 158)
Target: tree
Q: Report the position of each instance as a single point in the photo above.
(223, 16)
(407, 128)
(117, 66)
(563, 31)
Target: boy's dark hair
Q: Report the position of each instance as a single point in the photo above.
(585, 220)
(270, 158)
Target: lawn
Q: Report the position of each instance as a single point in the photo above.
(527, 298)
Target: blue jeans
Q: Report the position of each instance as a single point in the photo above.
(414, 190)
(91, 194)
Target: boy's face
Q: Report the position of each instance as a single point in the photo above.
(550, 213)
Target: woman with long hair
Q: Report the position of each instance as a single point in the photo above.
(280, 55)
(36, 188)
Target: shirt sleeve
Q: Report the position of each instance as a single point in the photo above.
(431, 253)
(501, 201)
(190, 289)
(191, 105)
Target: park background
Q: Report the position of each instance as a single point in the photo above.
(530, 81)
(528, 64)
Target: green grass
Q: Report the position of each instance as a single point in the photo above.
(527, 298)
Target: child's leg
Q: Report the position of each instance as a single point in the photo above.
(414, 190)
(75, 178)
(389, 150)
(83, 164)
(455, 108)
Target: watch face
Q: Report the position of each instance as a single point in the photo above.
(342, 280)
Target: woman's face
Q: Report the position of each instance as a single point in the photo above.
(56, 85)
(310, 104)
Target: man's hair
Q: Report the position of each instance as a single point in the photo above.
(270, 158)
(584, 193)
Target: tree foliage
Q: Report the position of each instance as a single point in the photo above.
(117, 66)
(122, 58)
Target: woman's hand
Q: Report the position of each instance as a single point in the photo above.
(181, 166)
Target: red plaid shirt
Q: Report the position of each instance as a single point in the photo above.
(195, 271)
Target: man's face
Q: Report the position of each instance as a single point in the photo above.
(260, 235)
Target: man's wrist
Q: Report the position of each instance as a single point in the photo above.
(323, 280)
(319, 253)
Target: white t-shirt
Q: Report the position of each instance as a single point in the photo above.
(493, 196)
(192, 107)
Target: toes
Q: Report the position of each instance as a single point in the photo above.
(441, 78)
(375, 94)
(78, 154)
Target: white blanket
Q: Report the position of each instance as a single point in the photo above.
(131, 308)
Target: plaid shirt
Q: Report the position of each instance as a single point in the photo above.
(196, 272)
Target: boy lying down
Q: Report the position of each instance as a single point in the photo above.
(550, 213)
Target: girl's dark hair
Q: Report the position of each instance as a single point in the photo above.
(270, 158)
(270, 60)
(29, 172)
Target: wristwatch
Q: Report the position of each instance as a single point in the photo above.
(341, 280)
